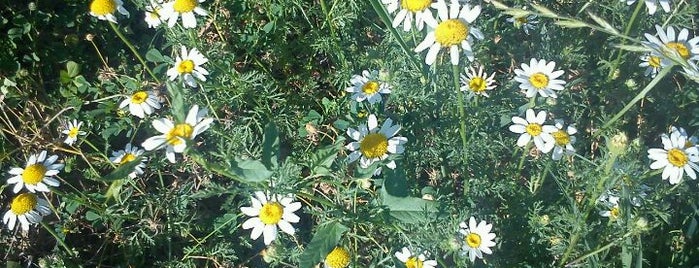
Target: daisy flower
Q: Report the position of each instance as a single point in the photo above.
(674, 158)
(539, 77)
(653, 64)
(339, 257)
(28, 209)
(652, 5)
(451, 32)
(175, 136)
(172, 10)
(141, 103)
(414, 261)
(612, 203)
(372, 144)
(687, 49)
(563, 140)
(268, 213)
(104, 9)
(368, 87)
(476, 83)
(533, 127)
(410, 10)
(477, 238)
(153, 16)
(37, 174)
(527, 23)
(188, 66)
(128, 154)
(72, 129)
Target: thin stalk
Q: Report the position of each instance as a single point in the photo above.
(462, 112)
(133, 50)
(638, 97)
(598, 250)
(381, 11)
(639, 4)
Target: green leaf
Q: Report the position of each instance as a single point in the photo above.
(72, 69)
(545, 12)
(250, 170)
(327, 236)
(270, 146)
(154, 55)
(407, 209)
(395, 183)
(322, 159)
(122, 171)
(603, 23)
(571, 24)
(92, 216)
(13, 264)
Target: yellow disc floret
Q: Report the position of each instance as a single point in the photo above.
(677, 157)
(413, 262)
(139, 97)
(183, 131)
(654, 61)
(33, 174)
(370, 88)
(128, 157)
(561, 137)
(23, 203)
(681, 49)
(185, 67)
(539, 80)
(271, 213)
(451, 32)
(477, 84)
(374, 145)
(415, 5)
(184, 6)
(534, 129)
(473, 240)
(337, 258)
(103, 7)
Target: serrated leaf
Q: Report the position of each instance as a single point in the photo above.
(603, 23)
(327, 236)
(571, 24)
(250, 170)
(72, 69)
(270, 146)
(154, 55)
(122, 171)
(322, 159)
(545, 12)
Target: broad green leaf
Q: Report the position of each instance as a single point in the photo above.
(270, 146)
(395, 183)
(122, 171)
(402, 207)
(72, 69)
(92, 216)
(154, 55)
(322, 160)
(327, 236)
(250, 170)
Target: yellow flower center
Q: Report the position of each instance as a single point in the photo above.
(680, 48)
(562, 138)
(451, 32)
(677, 157)
(184, 6)
(155, 14)
(103, 7)
(614, 213)
(370, 88)
(477, 84)
(522, 20)
(23, 203)
(271, 213)
(73, 132)
(185, 67)
(473, 240)
(337, 258)
(413, 262)
(654, 61)
(533, 129)
(374, 145)
(415, 5)
(180, 130)
(128, 157)
(139, 97)
(539, 80)
(33, 174)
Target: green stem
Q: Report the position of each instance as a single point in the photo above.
(58, 239)
(462, 112)
(639, 4)
(133, 49)
(598, 250)
(333, 34)
(381, 11)
(638, 97)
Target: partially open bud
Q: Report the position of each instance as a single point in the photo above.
(618, 143)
